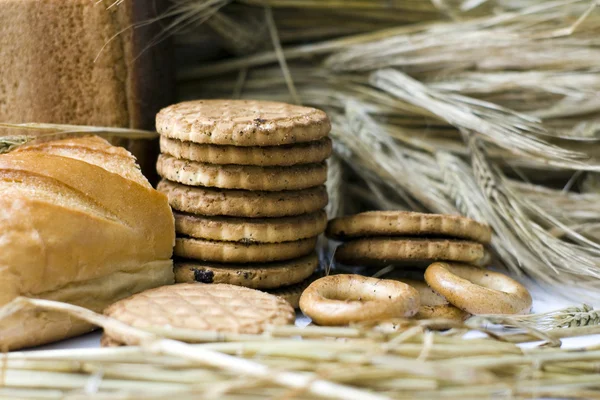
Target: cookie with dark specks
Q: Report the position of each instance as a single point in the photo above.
(407, 223)
(251, 230)
(242, 122)
(237, 252)
(390, 250)
(299, 153)
(246, 177)
(243, 203)
(255, 276)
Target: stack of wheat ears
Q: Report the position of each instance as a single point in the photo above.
(487, 109)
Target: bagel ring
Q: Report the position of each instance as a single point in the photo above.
(342, 299)
(478, 291)
(433, 304)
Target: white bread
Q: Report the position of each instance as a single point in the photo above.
(78, 223)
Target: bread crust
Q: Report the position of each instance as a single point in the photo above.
(67, 224)
(75, 62)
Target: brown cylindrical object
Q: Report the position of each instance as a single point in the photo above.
(80, 62)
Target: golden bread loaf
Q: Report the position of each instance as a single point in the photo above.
(82, 62)
(78, 223)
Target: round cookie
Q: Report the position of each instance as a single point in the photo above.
(255, 276)
(237, 252)
(200, 307)
(243, 203)
(246, 177)
(390, 250)
(407, 223)
(292, 293)
(242, 122)
(250, 230)
(300, 153)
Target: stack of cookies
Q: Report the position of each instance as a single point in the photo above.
(246, 182)
(381, 238)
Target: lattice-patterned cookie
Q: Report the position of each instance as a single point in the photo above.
(197, 306)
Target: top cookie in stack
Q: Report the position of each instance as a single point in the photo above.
(246, 181)
(377, 238)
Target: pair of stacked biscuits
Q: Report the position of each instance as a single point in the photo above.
(412, 239)
(404, 238)
(246, 182)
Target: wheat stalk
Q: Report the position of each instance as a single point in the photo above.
(394, 359)
(39, 133)
(9, 143)
(395, 159)
(503, 127)
(570, 317)
(561, 256)
(204, 356)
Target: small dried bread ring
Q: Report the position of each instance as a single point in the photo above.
(478, 291)
(342, 299)
(433, 304)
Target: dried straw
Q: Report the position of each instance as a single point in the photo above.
(407, 99)
(400, 359)
(30, 133)
(570, 317)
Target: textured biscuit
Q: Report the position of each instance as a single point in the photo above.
(407, 223)
(237, 252)
(246, 177)
(292, 293)
(243, 203)
(250, 230)
(200, 307)
(255, 276)
(242, 122)
(301, 153)
(389, 250)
